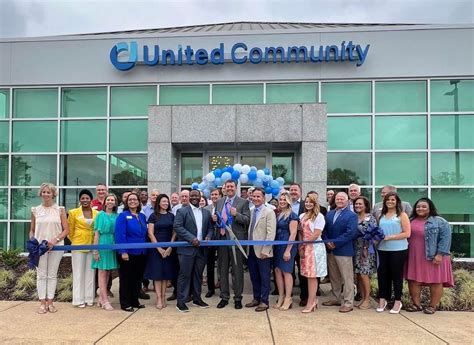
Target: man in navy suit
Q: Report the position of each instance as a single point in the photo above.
(192, 224)
(341, 230)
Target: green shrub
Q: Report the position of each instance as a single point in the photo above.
(462, 276)
(20, 293)
(65, 284)
(466, 295)
(6, 277)
(448, 300)
(64, 296)
(11, 258)
(26, 281)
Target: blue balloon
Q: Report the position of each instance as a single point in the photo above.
(252, 168)
(218, 181)
(268, 190)
(225, 176)
(275, 184)
(217, 173)
(265, 183)
(252, 175)
(258, 182)
(195, 186)
(280, 180)
(266, 171)
(275, 191)
(266, 178)
(230, 169)
(210, 185)
(235, 175)
(207, 193)
(202, 186)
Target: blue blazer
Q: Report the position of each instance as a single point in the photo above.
(186, 228)
(343, 232)
(129, 229)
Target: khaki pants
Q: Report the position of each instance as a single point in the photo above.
(341, 272)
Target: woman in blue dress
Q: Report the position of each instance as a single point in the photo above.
(161, 262)
(284, 256)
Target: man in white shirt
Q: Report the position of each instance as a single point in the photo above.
(184, 201)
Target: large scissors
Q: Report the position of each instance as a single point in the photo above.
(223, 225)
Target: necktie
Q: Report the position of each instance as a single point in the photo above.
(224, 215)
(254, 220)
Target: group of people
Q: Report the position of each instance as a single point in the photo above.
(413, 245)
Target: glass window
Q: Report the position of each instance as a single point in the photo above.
(35, 103)
(83, 136)
(3, 235)
(22, 201)
(355, 97)
(4, 136)
(220, 161)
(195, 94)
(82, 170)
(70, 197)
(400, 168)
(3, 203)
(35, 136)
(191, 168)
(19, 235)
(452, 132)
(260, 162)
(454, 204)
(282, 166)
(3, 170)
(347, 168)
(410, 195)
(84, 102)
(33, 170)
(132, 100)
(400, 132)
(237, 94)
(4, 104)
(129, 135)
(400, 96)
(349, 133)
(452, 95)
(292, 93)
(452, 168)
(129, 170)
(462, 240)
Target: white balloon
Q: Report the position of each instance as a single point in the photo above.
(260, 173)
(238, 167)
(210, 177)
(245, 169)
(244, 178)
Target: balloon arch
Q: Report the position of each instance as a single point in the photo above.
(244, 174)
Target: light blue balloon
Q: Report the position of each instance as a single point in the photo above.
(202, 186)
(252, 168)
(266, 178)
(266, 171)
(218, 181)
(195, 186)
(280, 180)
(275, 184)
(225, 176)
(258, 182)
(207, 193)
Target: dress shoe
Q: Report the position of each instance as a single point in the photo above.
(189, 299)
(129, 309)
(201, 304)
(261, 307)
(143, 295)
(171, 298)
(183, 308)
(303, 302)
(345, 309)
(238, 305)
(222, 304)
(209, 294)
(252, 304)
(331, 303)
(139, 306)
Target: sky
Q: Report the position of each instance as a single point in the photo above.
(29, 18)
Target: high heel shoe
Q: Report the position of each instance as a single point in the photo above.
(287, 303)
(107, 306)
(313, 308)
(279, 303)
(396, 311)
(380, 310)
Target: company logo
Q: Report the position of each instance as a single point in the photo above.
(121, 48)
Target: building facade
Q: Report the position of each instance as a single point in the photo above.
(74, 110)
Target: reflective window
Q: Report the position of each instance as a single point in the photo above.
(3, 235)
(33, 170)
(462, 240)
(400, 96)
(400, 132)
(3, 170)
(83, 136)
(195, 94)
(237, 94)
(454, 204)
(4, 136)
(35, 103)
(354, 97)
(452, 132)
(220, 161)
(452, 168)
(347, 168)
(452, 95)
(84, 102)
(3, 203)
(82, 170)
(4, 104)
(70, 197)
(128, 135)
(19, 235)
(292, 93)
(128, 170)
(400, 168)
(35, 136)
(349, 133)
(283, 165)
(410, 195)
(191, 168)
(260, 162)
(132, 100)
(22, 200)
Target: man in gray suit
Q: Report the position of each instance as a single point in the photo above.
(192, 224)
(236, 208)
(377, 210)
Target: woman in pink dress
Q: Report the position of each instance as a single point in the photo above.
(428, 261)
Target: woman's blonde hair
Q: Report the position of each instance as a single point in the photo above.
(284, 213)
(313, 213)
(50, 186)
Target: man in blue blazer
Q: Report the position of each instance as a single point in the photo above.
(192, 224)
(341, 231)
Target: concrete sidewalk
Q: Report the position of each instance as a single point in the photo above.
(19, 323)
